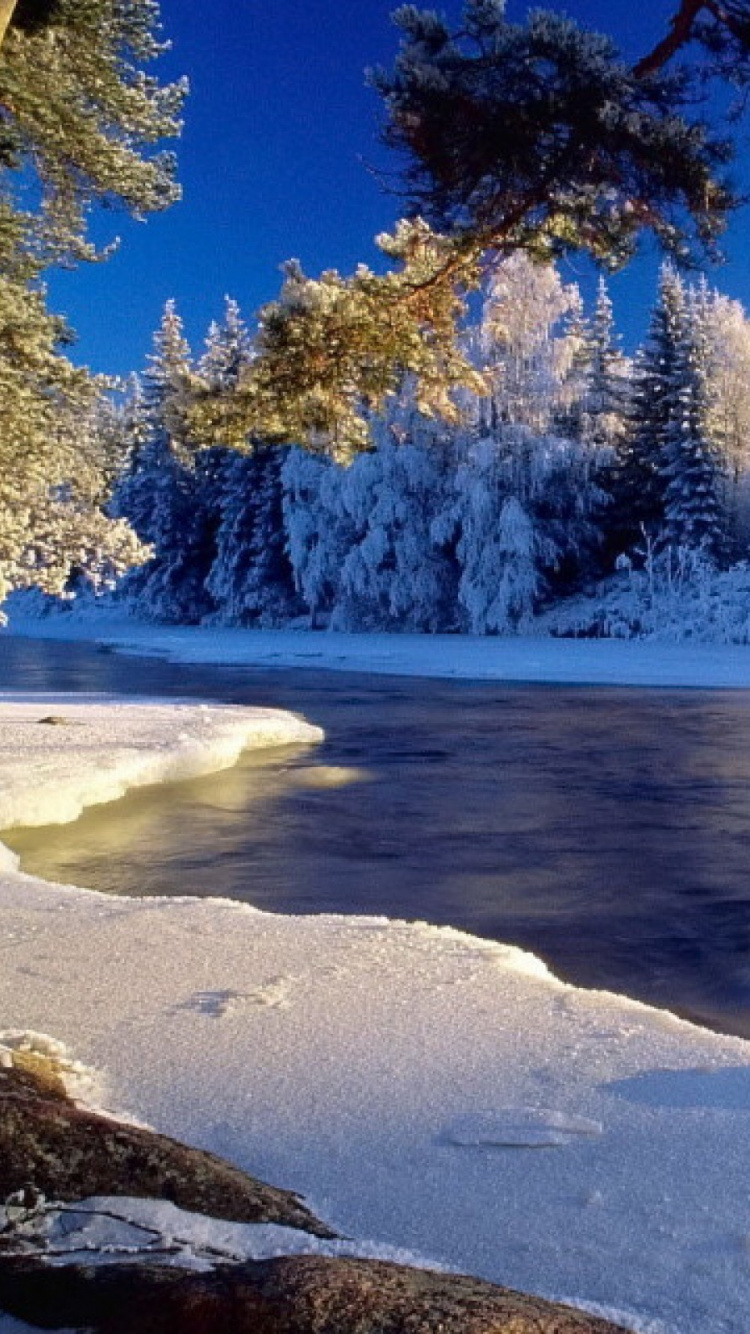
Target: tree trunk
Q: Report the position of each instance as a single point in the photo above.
(6, 14)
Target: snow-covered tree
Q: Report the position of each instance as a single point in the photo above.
(396, 575)
(227, 355)
(526, 344)
(80, 119)
(81, 114)
(693, 467)
(638, 479)
(602, 407)
(727, 332)
(54, 478)
(319, 532)
(251, 580)
(499, 551)
(167, 493)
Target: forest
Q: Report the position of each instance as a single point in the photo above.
(453, 444)
(578, 492)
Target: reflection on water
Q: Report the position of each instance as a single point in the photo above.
(607, 830)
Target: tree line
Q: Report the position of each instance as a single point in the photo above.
(534, 137)
(573, 463)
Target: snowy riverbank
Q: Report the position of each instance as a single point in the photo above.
(425, 1089)
(471, 657)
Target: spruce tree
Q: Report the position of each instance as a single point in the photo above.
(251, 580)
(694, 515)
(165, 493)
(638, 479)
(604, 400)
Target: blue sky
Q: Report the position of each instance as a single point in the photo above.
(279, 129)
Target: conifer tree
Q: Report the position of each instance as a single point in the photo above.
(638, 480)
(319, 531)
(396, 575)
(52, 481)
(693, 470)
(228, 354)
(165, 494)
(81, 119)
(603, 405)
(81, 114)
(251, 580)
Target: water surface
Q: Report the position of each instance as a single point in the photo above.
(606, 829)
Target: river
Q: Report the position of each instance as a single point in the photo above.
(605, 829)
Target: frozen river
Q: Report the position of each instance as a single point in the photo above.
(605, 829)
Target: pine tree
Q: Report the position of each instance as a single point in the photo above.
(80, 116)
(228, 353)
(638, 480)
(53, 478)
(166, 494)
(603, 405)
(251, 580)
(693, 512)
(319, 532)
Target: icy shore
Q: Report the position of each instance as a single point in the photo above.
(471, 657)
(430, 1091)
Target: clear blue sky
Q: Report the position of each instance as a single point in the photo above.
(279, 128)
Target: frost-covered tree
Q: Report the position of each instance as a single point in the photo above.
(693, 467)
(602, 407)
(319, 532)
(168, 490)
(727, 332)
(523, 515)
(53, 481)
(526, 349)
(499, 551)
(81, 117)
(251, 580)
(228, 354)
(159, 408)
(638, 479)
(396, 574)
(532, 136)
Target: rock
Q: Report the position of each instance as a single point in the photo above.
(290, 1295)
(68, 1153)
(55, 720)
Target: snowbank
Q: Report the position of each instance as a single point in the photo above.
(427, 1090)
(473, 657)
(59, 753)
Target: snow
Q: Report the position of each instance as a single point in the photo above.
(117, 1227)
(473, 657)
(427, 1091)
(60, 753)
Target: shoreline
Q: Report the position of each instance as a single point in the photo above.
(523, 661)
(439, 1092)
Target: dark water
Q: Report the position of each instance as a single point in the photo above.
(607, 830)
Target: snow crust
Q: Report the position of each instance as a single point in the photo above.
(427, 1091)
(472, 657)
(60, 753)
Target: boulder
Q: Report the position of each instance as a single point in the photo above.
(67, 1153)
(304, 1294)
